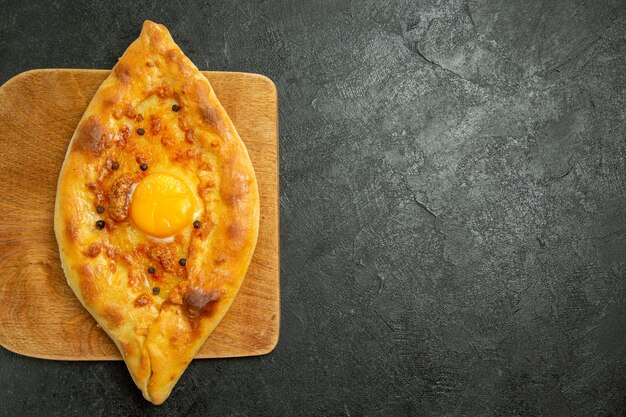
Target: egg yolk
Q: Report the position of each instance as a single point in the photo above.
(162, 205)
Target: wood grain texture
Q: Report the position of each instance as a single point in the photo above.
(39, 314)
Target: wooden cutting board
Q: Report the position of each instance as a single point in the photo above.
(39, 314)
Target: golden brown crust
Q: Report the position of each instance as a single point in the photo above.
(92, 137)
(159, 319)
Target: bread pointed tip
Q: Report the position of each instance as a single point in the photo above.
(150, 26)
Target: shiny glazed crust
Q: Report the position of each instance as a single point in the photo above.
(158, 333)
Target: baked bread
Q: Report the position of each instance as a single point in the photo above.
(157, 210)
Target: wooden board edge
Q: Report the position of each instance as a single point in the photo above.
(34, 71)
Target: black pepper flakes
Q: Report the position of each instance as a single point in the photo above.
(175, 107)
(115, 165)
(156, 290)
(100, 209)
(140, 131)
(100, 224)
(197, 224)
(182, 261)
(143, 166)
(151, 270)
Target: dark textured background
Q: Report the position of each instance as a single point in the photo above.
(453, 205)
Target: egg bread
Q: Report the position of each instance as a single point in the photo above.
(157, 210)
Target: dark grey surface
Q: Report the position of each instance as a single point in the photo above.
(453, 205)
